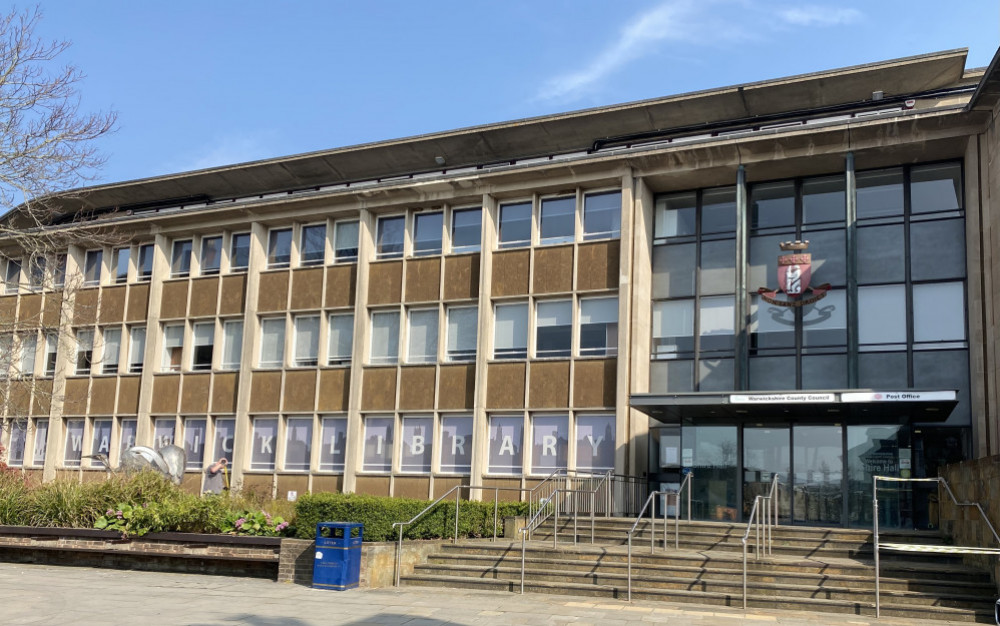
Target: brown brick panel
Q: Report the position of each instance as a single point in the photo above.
(257, 484)
(505, 496)
(42, 403)
(443, 483)
(204, 296)
(505, 386)
(300, 390)
(461, 277)
(8, 306)
(594, 383)
(307, 288)
(165, 388)
(296, 562)
(416, 388)
(265, 389)
(423, 280)
(224, 390)
(378, 389)
(292, 482)
(385, 282)
(549, 384)
(112, 305)
(416, 487)
(457, 386)
(334, 389)
(553, 269)
(75, 398)
(103, 393)
(510, 273)
(29, 313)
(85, 306)
(128, 395)
(273, 294)
(194, 393)
(327, 483)
(372, 485)
(52, 308)
(234, 295)
(174, 302)
(19, 397)
(138, 303)
(598, 265)
(341, 285)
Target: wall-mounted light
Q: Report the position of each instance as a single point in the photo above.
(439, 160)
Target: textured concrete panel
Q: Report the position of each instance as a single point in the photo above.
(30, 310)
(341, 285)
(334, 389)
(234, 295)
(549, 384)
(85, 306)
(300, 390)
(103, 392)
(594, 383)
(224, 389)
(295, 482)
(505, 386)
(138, 303)
(174, 299)
(461, 277)
(423, 280)
(266, 388)
(457, 386)
(372, 485)
(598, 265)
(307, 288)
(42, 402)
(194, 393)
(52, 308)
(385, 282)
(128, 395)
(379, 389)
(273, 291)
(112, 305)
(204, 296)
(327, 483)
(416, 487)
(553, 269)
(416, 388)
(510, 273)
(165, 389)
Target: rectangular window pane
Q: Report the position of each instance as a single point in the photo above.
(225, 434)
(341, 339)
(18, 441)
(881, 257)
(272, 342)
(262, 455)
(422, 336)
(515, 225)
(7, 354)
(100, 442)
(41, 442)
(137, 349)
(92, 266)
(84, 351)
(427, 231)
(173, 347)
(553, 329)
(824, 200)
(456, 445)
(595, 442)
(239, 252)
(936, 188)
(599, 327)
(673, 327)
(12, 276)
(558, 220)
(385, 338)
(121, 264)
(73, 450)
(466, 230)
(332, 454)
(59, 274)
(51, 352)
(312, 248)
(194, 442)
(674, 270)
(882, 315)
(824, 323)
(602, 215)
(345, 245)
(163, 432)
(416, 451)
(128, 430)
(937, 250)
(675, 216)
(36, 272)
(298, 443)
(717, 315)
(506, 439)
(389, 239)
(511, 331)
(204, 346)
(880, 193)
(29, 346)
(112, 349)
(180, 258)
(772, 205)
(939, 312)
(549, 443)
(211, 255)
(377, 455)
(145, 264)
(718, 210)
(307, 341)
(462, 333)
(232, 344)
(279, 248)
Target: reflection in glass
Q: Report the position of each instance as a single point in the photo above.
(766, 452)
(711, 453)
(772, 205)
(818, 474)
(880, 193)
(874, 451)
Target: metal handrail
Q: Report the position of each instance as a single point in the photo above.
(772, 503)
(527, 529)
(652, 531)
(754, 515)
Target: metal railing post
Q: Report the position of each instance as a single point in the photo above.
(523, 535)
(399, 555)
(593, 502)
(878, 605)
(555, 525)
(576, 514)
(744, 573)
(677, 523)
(630, 566)
(496, 510)
(458, 495)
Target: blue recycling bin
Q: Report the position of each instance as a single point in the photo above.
(338, 555)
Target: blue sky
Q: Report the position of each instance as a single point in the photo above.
(200, 84)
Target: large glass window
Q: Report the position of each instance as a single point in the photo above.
(127, 433)
(312, 246)
(510, 339)
(506, 439)
(173, 347)
(345, 242)
(595, 442)
(936, 188)
(389, 237)
(549, 443)
(92, 265)
(428, 229)
(120, 262)
(417, 447)
(73, 451)
(204, 346)
(515, 225)
(41, 442)
(180, 259)
(84, 351)
(18, 442)
(163, 432)
(456, 445)
(298, 443)
(12, 276)
(265, 435)
(340, 338)
(466, 229)
(599, 327)
(711, 452)
(673, 327)
(377, 454)
(306, 340)
(939, 312)
(880, 193)
(29, 347)
(385, 338)
(36, 272)
(225, 435)
(272, 342)
(112, 350)
(882, 316)
(602, 215)
(279, 248)
(232, 344)
(136, 349)
(194, 442)
(145, 264)
(462, 333)
(239, 252)
(422, 336)
(332, 454)
(51, 352)
(553, 328)
(211, 255)
(558, 220)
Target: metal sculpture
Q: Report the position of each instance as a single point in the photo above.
(168, 460)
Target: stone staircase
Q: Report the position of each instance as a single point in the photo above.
(811, 569)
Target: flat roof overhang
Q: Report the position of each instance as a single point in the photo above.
(852, 406)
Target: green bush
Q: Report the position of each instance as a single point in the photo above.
(475, 519)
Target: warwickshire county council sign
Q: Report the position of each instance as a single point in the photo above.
(860, 396)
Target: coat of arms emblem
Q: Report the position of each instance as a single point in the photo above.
(794, 274)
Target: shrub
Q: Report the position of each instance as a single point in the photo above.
(475, 519)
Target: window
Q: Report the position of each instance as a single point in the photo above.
(385, 338)
(173, 347)
(377, 453)
(29, 345)
(673, 327)
(51, 351)
(595, 442)
(602, 215)
(136, 349)
(549, 443)
(92, 263)
(332, 454)
(232, 344)
(510, 339)
(599, 327)
(41, 442)
(462, 333)
(127, 434)
(558, 220)
(59, 277)
(73, 451)
(6, 354)
(298, 443)
(145, 265)
(119, 259)
(84, 351)
(389, 239)
(345, 242)
(18, 442)
(239, 252)
(36, 273)
(341, 339)
(427, 232)
(180, 259)
(279, 248)
(225, 434)
(112, 350)
(12, 277)
(456, 445)
(417, 447)
(163, 432)
(466, 229)
(306, 340)
(422, 336)
(506, 434)
(211, 255)
(100, 441)
(939, 312)
(515, 225)
(272, 342)
(204, 344)
(312, 245)
(194, 442)
(553, 328)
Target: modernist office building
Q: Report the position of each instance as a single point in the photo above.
(792, 277)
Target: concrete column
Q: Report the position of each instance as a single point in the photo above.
(355, 425)
(640, 242)
(484, 342)
(742, 354)
(154, 340)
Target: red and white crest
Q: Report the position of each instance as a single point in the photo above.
(794, 272)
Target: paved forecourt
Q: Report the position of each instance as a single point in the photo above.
(41, 594)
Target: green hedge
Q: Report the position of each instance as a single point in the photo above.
(475, 519)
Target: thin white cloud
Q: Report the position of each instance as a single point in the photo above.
(227, 151)
(813, 15)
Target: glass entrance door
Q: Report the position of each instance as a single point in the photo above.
(766, 452)
(818, 474)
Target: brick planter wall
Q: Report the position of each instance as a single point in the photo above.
(378, 561)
